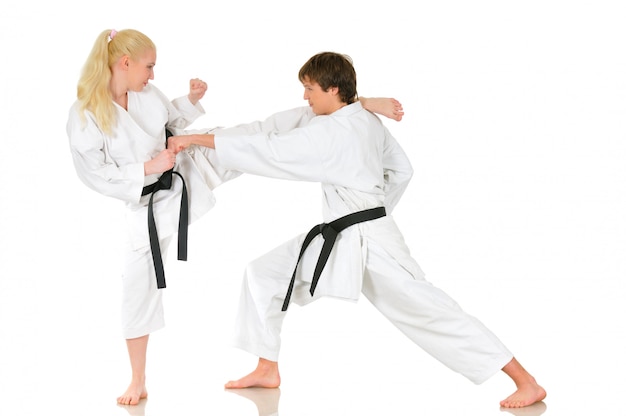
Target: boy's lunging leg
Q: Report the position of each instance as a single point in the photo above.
(435, 322)
(260, 316)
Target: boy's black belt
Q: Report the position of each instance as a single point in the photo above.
(165, 182)
(329, 232)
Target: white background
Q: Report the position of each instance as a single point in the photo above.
(515, 124)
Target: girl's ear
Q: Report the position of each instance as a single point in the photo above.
(124, 62)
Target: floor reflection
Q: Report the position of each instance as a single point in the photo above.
(266, 400)
(535, 409)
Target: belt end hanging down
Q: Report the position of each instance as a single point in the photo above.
(329, 232)
(183, 220)
(289, 290)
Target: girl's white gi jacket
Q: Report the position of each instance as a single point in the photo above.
(113, 165)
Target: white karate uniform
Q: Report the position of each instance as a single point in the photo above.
(113, 165)
(360, 166)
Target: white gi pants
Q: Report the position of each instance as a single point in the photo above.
(424, 313)
(142, 304)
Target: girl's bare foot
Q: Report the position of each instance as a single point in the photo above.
(135, 392)
(265, 375)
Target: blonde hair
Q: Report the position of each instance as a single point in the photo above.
(93, 90)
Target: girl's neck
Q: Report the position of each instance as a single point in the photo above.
(119, 94)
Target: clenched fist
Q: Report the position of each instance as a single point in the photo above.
(197, 88)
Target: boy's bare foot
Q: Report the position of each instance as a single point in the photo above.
(528, 391)
(135, 392)
(265, 375)
(525, 395)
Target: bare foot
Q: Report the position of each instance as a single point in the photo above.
(525, 395)
(140, 408)
(265, 375)
(528, 391)
(135, 392)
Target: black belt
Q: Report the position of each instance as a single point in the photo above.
(165, 182)
(329, 232)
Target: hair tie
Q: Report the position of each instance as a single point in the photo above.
(112, 34)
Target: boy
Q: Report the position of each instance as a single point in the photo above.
(363, 172)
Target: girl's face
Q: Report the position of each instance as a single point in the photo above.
(141, 70)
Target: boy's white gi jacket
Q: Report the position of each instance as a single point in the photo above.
(359, 165)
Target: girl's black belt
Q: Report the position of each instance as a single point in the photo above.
(165, 182)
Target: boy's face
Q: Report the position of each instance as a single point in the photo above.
(321, 102)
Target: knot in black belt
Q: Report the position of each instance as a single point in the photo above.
(329, 232)
(165, 182)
